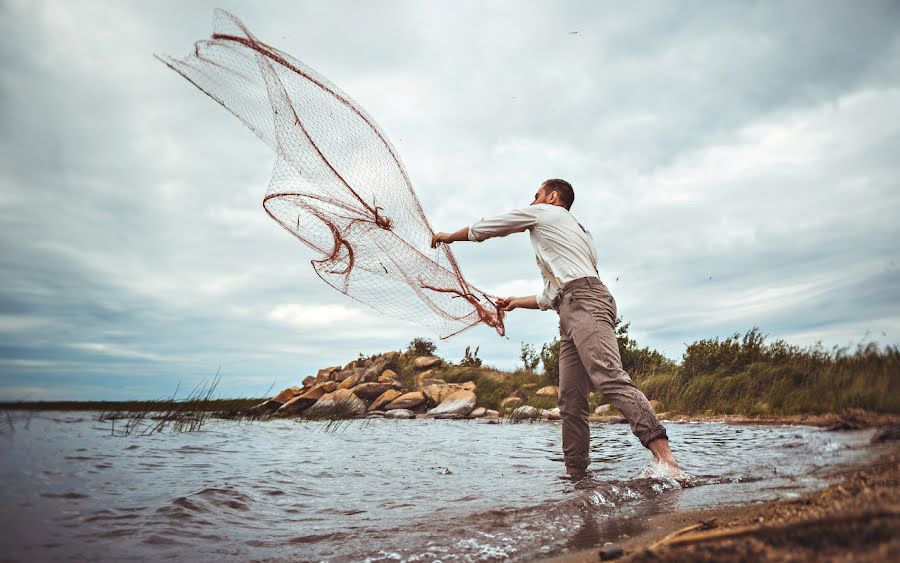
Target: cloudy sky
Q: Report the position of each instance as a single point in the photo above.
(736, 162)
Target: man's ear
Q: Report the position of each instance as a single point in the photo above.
(553, 198)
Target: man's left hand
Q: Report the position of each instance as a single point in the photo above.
(438, 238)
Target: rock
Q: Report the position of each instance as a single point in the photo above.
(425, 382)
(510, 402)
(305, 400)
(478, 413)
(529, 412)
(436, 392)
(427, 374)
(611, 551)
(309, 381)
(399, 413)
(459, 403)
(346, 373)
(387, 376)
(890, 433)
(375, 414)
(325, 374)
(341, 402)
(371, 391)
(406, 401)
(529, 386)
(389, 357)
(491, 413)
(548, 391)
(373, 371)
(554, 414)
(662, 416)
(427, 362)
(287, 394)
(351, 381)
(468, 385)
(384, 399)
(266, 407)
(603, 409)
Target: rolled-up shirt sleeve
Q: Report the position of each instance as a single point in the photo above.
(547, 298)
(515, 221)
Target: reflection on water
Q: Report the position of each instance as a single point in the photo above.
(380, 490)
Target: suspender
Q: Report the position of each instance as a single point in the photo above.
(553, 281)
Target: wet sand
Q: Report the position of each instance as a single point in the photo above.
(854, 519)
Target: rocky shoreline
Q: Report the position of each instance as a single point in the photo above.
(372, 389)
(403, 386)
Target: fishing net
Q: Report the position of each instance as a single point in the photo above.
(338, 184)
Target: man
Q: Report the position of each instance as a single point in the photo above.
(588, 351)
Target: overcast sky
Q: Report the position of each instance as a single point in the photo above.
(736, 162)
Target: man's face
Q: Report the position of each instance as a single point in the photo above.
(541, 196)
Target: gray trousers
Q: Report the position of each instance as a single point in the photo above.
(589, 358)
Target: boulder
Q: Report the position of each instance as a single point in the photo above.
(384, 399)
(427, 362)
(491, 413)
(387, 376)
(529, 412)
(511, 402)
(351, 381)
(458, 403)
(287, 394)
(548, 391)
(309, 381)
(371, 391)
(373, 371)
(341, 402)
(603, 409)
(436, 392)
(427, 374)
(467, 385)
(529, 386)
(554, 414)
(344, 374)
(325, 373)
(477, 413)
(389, 357)
(305, 400)
(425, 382)
(399, 413)
(406, 401)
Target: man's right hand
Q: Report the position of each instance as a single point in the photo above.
(507, 303)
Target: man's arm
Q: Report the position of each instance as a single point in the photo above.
(515, 221)
(510, 303)
(437, 238)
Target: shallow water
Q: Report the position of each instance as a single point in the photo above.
(376, 490)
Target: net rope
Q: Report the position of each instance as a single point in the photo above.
(338, 184)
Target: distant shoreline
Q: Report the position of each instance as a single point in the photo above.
(848, 420)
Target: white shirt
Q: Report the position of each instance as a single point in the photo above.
(564, 250)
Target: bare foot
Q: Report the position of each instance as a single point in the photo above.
(576, 471)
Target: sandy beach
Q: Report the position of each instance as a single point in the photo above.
(854, 519)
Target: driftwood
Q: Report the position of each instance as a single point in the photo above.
(681, 537)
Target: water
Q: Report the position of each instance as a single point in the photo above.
(376, 490)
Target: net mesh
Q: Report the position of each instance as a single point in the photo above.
(338, 184)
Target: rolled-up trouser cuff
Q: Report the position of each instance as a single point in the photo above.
(580, 462)
(653, 434)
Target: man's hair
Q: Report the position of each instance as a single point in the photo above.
(563, 188)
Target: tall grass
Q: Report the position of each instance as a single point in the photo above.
(746, 375)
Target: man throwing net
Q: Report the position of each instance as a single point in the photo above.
(588, 351)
